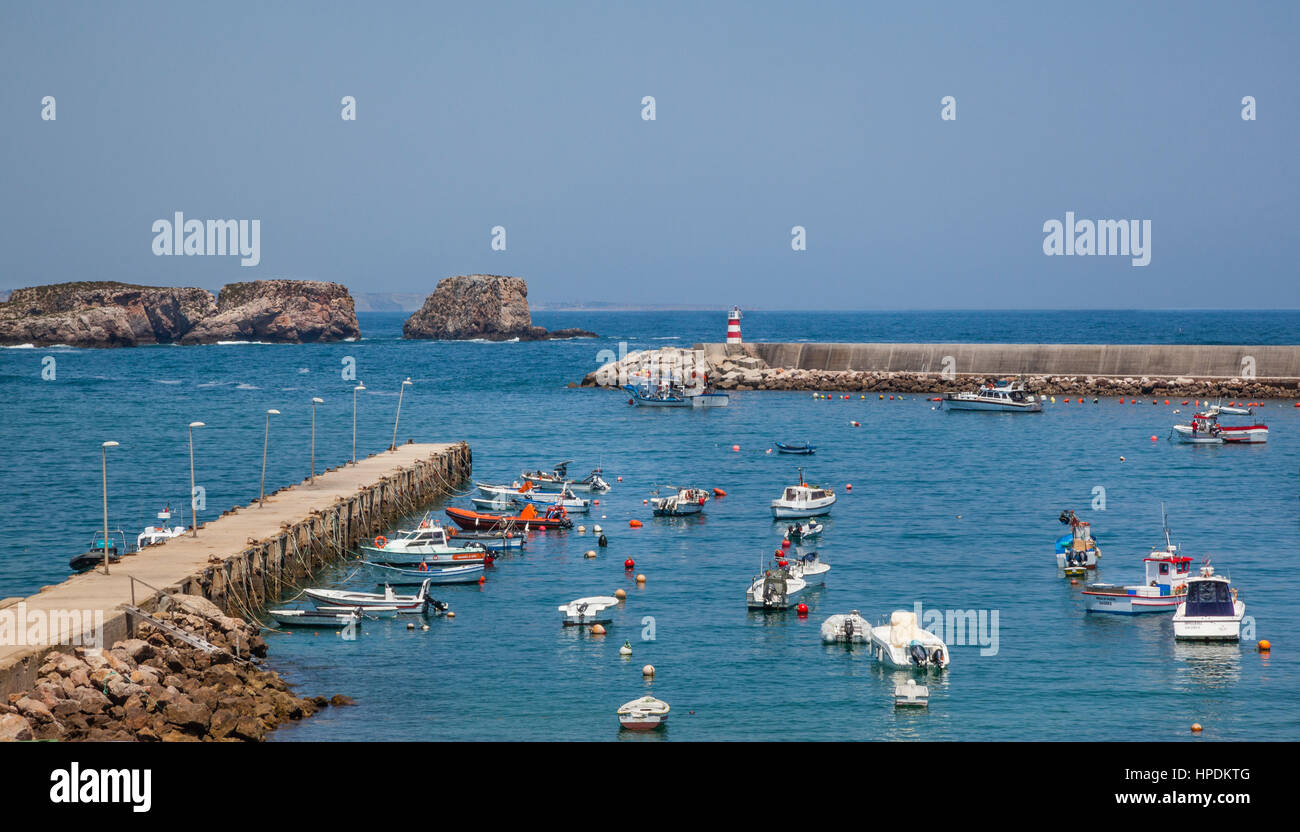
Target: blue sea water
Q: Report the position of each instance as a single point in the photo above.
(954, 511)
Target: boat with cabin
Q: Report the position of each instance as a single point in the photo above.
(1205, 428)
(427, 544)
(900, 642)
(1164, 589)
(1005, 396)
(803, 500)
(1212, 611)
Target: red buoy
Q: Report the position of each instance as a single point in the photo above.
(785, 543)
(629, 564)
(802, 608)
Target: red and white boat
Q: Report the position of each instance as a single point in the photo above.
(1205, 428)
(1167, 571)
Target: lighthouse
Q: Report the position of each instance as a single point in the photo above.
(733, 325)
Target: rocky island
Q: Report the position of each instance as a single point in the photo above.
(113, 314)
(480, 306)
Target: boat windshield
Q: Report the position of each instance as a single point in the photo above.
(1209, 598)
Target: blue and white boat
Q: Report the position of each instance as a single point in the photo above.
(795, 448)
(674, 396)
(564, 498)
(1164, 589)
(470, 573)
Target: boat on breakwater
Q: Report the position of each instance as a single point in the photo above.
(114, 546)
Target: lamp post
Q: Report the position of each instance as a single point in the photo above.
(393, 446)
(355, 390)
(103, 450)
(315, 401)
(266, 439)
(194, 520)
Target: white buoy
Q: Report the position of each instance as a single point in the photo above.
(626, 649)
(596, 529)
(424, 627)
(582, 530)
(590, 553)
(648, 670)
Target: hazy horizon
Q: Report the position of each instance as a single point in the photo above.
(766, 117)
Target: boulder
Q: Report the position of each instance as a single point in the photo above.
(14, 727)
(292, 311)
(488, 306)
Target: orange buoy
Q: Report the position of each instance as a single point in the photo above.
(1264, 645)
(848, 487)
(735, 447)
(718, 492)
(1153, 439)
(482, 579)
(1196, 727)
(640, 579)
(636, 524)
(598, 629)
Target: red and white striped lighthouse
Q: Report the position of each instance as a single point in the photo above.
(733, 325)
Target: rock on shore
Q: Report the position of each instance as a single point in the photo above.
(293, 311)
(739, 371)
(487, 306)
(111, 314)
(101, 314)
(156, 687)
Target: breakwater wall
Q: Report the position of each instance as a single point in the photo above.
(239, 561)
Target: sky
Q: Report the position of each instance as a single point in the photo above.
(768, 116)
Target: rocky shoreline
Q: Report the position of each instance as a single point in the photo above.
(746, 372)
(112, 314)
(157, 687)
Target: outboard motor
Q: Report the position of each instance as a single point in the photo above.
(936, 658)
(918, 655)
(1065, 517)
(848, 629)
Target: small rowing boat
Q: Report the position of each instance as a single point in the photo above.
(644, 714)
(316, 618)
(406, 604)
(795, 448)
(467, 574)
(588, 610)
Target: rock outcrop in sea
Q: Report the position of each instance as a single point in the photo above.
(112, 314)
(480, 306)
(292, 311)
(741, 371)
(157, 687)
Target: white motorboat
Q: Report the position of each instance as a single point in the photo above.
(911, 695)
(505, 493)
(160, 533)
(406, 604)
(469, 573)
(565, 498)
(1077, 551)
(808, 567)
(542, 481)
(775, 589)
(316, 618)
(803, 531)
(682, 502)
(846, 629)
(428, 544)
(1206, 429)
(1163, 590)
(492, 503)
(803, 500)
(644, 714)
(1004, 396)
(1211, 612)
(588, 610)
(900, 642)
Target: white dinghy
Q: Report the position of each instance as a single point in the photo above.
(644, 714)
(315, 618)
(588, 610)
(846, 629)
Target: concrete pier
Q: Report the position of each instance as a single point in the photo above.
(245, 557)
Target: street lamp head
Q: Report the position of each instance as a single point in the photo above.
(408, 381)
(197, 425)
(359, 387)
(109, 444)
(272, 413)
(317, 401)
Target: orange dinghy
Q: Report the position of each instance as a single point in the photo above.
(554, 518)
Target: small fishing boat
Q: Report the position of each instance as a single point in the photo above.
(588, 610)
(406, 604)
(672, 395)
(364, 612)
(803, 500)
(808, 567)
(681, 502)
(846, 629)
(795, 448)
(114, 544)
(493, 503)
(559, 478)
(498, 541)
(316, 618)
(1206, 429)
(469, 573)
(564, 498)
(1211, 611)
(1006, 396)
(911, 695)
(504, 493)
(527, 520)
(900, 642)
(160, 533)
(644, 714)
(1165, 588)
(1077, 551)
(803, 531)
(775, 589)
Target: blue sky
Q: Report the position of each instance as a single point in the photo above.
(528, 116)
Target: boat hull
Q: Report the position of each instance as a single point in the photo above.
(395, 576)
(1119, 602)
(990, 406)
(645, 722)
(786, 512)
(1209, 628)
(476, 521)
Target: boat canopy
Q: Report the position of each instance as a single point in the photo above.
(1210, 598)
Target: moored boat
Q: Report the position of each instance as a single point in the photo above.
(807, 567)
(1205, 428)
(1164, 589)
(1077, 551)
(1211, 611)
(775, 589)
(428, 544)
(406, 604)
(591, 610)
(469, 573)
(795, 448)
(564, 498)
(527, 520)
(681, 502)
(803, 500)
(316, 618)
(1006, 396)
(803, 531)
(900, 642)
(498, 541)
(644, 714)
(846, 629)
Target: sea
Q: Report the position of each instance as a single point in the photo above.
(951, 514)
